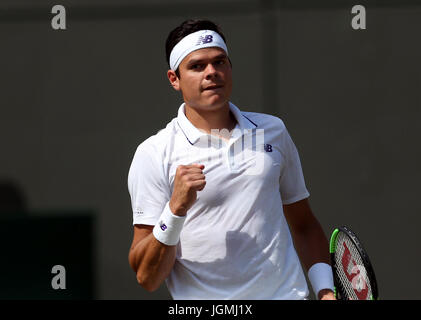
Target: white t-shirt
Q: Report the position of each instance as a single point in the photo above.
(235, 242)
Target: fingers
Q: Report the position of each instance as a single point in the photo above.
(201, 188)
(198, 185)
(188, 180)
(190, 169)
(201, 166)
(194, 167)
(195, 180)
(192, 176)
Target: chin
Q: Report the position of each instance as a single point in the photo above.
(211, 103)
(214, 106)
(216, 102)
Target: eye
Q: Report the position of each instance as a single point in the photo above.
(196, 66)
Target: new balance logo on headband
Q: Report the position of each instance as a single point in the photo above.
(195, 41)
(204, 39)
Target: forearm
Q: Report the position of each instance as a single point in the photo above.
(152, 261)
(311, 244)
(312, 247)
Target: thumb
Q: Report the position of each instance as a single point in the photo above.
(201, 166)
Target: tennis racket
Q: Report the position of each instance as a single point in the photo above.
(353, 274)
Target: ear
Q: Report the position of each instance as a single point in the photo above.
(174, 81)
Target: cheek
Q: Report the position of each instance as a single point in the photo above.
(228, 82)
(190, 86)
(228, 78)
(229, 85)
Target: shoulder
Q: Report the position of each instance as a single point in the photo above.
(149, 158)
(151, 155)
(154, 147)
(265, 121)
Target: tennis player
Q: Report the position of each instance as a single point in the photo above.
(220, 206)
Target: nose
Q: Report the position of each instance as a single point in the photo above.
(210, 71)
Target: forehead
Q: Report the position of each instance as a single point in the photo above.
(204, 54)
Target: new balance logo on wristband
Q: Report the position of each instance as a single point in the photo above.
(163, 226)
(204, 39)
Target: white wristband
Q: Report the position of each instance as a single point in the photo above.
(321, 277)
(168, 228)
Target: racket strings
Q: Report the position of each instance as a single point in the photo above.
(352, 276)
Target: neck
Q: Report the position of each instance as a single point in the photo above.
(220, 118)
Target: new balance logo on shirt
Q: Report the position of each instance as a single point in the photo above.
(268, 147)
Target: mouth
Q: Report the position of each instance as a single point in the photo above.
(213, 87)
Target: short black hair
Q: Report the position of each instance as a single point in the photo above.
(184, 29)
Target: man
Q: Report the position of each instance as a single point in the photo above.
(218, 196)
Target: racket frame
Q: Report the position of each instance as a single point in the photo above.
(339, 291)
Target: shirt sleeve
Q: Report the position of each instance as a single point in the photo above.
(291, 182)
(148, 187)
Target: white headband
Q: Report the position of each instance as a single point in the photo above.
(195, 41)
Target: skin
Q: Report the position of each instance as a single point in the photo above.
(205, 83)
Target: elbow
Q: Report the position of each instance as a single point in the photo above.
(144, 278)
(147, 283)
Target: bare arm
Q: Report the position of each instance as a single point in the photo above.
(149, 258)
(309, 239)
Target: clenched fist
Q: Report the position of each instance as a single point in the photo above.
(188, 180)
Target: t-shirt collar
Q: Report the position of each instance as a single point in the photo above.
(193, 134)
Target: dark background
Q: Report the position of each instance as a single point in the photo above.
(76, 103)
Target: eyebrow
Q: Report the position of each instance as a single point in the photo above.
(219, 56)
